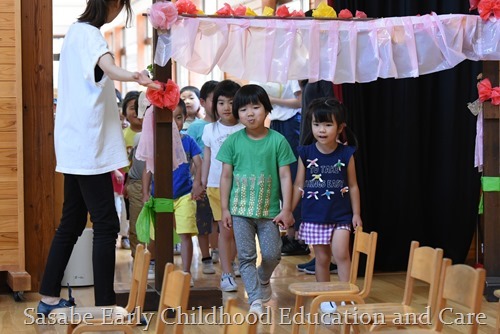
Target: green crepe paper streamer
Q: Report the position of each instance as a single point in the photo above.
(146, 222)
(490, 184)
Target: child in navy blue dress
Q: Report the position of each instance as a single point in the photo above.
(326, 183)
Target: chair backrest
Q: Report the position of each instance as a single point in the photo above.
(364, 243)
(236, 323)
(174, 297)
(463, 285)
(139, 281)
(424, 265)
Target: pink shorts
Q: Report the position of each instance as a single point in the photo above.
(320, 234)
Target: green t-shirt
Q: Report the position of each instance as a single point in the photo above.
(256, 187)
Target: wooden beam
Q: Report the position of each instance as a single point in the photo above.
(491, 216)
(38, 128)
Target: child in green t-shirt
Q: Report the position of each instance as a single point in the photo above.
(255, 174)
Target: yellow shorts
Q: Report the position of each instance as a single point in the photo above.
(214, 198)
(185, 215)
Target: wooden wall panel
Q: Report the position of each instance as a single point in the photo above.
(7, 56)
(11, 194)
(6, 21)
(7, 38)
(38, 127)
(8, 224)
(7, 6)
(7, 106)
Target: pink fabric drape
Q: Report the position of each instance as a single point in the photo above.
(341, 51)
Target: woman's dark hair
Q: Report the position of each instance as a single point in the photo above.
(193, 89)
(226, 88)
(130, 96)
(250, 94)
(96, 12)
(329, 109)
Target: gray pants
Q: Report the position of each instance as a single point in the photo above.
(268, 233)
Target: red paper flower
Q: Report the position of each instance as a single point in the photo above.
(226, 10)
(484, 89)
(240, 10)
(361, 15)
(162, 15)
(186, 7)
(495, 96)
(298, 13)
(345, 14)
(486, 8)
(168, 97)
(282, 11)
(486, 92)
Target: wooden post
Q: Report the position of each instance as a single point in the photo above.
(491, 216)
(163, 180)
(205, 297)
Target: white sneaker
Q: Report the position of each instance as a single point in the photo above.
(266, 292)
(228, 283)
(177, 249)
(151, 271)
(328, 307)
(256, 307)
(208, 267)
(236, 269)
(215, 256)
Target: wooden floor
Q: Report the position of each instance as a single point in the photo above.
(387, 287)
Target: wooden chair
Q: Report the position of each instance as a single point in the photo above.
(237, 328)
(174, 296)
(364, 243)
(424, 265)
(93, 316)
(460, 284)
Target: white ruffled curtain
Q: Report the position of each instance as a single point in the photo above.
(342, 51)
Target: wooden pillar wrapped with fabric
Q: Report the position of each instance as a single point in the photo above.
(491, 183)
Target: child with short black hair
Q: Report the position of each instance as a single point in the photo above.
(255, 171)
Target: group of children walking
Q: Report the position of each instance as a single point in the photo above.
(238, 175)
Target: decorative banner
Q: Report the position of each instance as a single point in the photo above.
(267, 49)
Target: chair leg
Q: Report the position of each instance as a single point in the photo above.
(70, 328)
(299, 302)
(345, 328)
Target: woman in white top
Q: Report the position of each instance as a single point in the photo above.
(89, 145)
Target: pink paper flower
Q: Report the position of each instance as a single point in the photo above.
(240, 10)
(186, 7)
(162, 15)
(361, 15)
(282, 11)
(345, 14)
(226, 10)
(168, 97)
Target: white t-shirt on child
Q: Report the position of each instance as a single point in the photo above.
(88, 134)
(214, 134)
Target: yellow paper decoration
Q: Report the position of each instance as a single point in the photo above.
(200, 12)
(268, 11)
(323, 10)
(250, 12)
